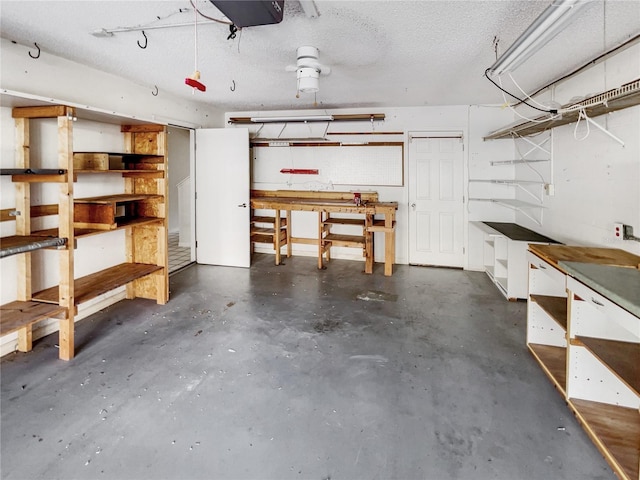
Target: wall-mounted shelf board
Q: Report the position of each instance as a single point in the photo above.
(508, 182)
(626, 96)
(516, 162)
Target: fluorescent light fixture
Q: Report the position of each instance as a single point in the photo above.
(542, 30)
(308, 118)
(309, 8)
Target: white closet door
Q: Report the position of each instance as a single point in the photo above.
(436, 208)
(222, 197)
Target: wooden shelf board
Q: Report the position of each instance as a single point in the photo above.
(616, 99)
(119, 198)
(263, 231)
(28, 243)
(121, 223)
(258, 238)
(339, 240)
(344, 221)
(127, 173)
(615, 431)
(91, 286)
(603, 256)
(622, 358)
(556, 307)
(271, 220)
(554, 363)
(18, 314)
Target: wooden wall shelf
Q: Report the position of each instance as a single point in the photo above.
(18, 314)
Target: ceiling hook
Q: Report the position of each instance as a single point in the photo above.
(155, 92)
(35, 56)
(146, 40)
(233, 87)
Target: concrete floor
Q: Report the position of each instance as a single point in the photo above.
(288, 373)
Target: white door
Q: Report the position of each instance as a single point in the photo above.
(222, 197)
(436, 208)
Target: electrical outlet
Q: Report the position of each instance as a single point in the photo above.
(618, 231)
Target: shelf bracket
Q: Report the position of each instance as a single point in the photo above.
(536, 146)
(582, 115)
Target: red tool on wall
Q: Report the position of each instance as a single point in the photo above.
(194, 80)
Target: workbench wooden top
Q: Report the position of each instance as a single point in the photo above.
(322, 204)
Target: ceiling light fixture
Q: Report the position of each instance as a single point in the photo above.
(308, 118)
(550, 22)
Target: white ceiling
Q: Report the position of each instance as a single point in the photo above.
(382, 53)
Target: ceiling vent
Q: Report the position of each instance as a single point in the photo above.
(250, 13)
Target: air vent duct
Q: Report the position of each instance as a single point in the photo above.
(250, 13)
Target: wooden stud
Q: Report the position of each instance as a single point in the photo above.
(276, 236)
(389, 243)
(288, 220)
(66, 296)
(23, 205)
(368, 246)
(25, 338)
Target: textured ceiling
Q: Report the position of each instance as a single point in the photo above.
(382, 53)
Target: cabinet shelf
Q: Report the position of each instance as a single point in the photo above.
(16, 244)
(94, 285)
(622, 358)
(556, 307)
(18, 314)
(615, 431)
(553, 361)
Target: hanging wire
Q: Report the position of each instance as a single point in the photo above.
(224, 22)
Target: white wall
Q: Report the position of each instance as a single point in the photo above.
(178, 160)
(68, 82)
(596, 180)
(474, 122)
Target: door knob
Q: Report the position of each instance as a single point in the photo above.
(413, 205)
(243, 205)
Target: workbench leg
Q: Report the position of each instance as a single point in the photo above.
(276, 236)
(389, 244)
(368, 244)
(320, 246)
(288, 219)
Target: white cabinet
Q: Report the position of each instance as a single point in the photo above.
(584, 331)
(504, 255)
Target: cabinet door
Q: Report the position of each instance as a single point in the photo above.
(222, 197)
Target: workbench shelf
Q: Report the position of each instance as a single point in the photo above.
(271, 230)
(140, 210)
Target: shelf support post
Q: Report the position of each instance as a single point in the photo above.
(65, 217)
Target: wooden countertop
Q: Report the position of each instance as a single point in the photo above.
(596, 255)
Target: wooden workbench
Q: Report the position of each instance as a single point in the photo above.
(336, 202)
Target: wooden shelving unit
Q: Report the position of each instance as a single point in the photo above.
(140, 210)
(588, 345)
(272, 230)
